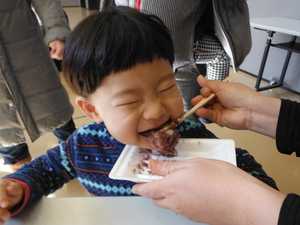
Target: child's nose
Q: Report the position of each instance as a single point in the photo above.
(154, 110)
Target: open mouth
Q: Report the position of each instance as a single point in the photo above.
(147, 133)
(163, 141)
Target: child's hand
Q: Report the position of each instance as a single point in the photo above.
(11, 193)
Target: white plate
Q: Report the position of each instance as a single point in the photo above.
(131, 156)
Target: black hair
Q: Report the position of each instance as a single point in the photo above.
(110, 41)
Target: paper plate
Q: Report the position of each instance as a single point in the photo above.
(128, 164)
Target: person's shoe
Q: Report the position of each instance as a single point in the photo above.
(17, 165)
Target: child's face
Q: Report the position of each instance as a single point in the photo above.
(135, 100)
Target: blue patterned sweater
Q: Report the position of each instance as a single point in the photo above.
(89, 155)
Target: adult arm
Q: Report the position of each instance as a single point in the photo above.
(55, 24)
(239, 107)
(211, 191)
(53, 19)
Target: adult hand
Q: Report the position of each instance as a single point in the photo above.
(11, 193)
(238, 107)
(57, 49)
(212, 191)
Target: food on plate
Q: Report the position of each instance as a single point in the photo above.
(164, 141)
(142, 166)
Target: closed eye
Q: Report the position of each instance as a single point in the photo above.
(168, 88)
(128, 103)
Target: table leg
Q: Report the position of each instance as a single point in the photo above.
(264, 59)
(286, 63)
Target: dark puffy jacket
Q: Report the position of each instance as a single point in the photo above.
(27, 69)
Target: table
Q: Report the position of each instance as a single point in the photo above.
(97, 210)
(273, 25)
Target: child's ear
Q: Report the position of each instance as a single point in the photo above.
(88, 108)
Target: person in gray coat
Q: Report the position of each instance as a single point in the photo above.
(30, 84)
(208, 35)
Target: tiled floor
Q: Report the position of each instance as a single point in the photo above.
(284, 169)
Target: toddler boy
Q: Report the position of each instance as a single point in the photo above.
(119, 62)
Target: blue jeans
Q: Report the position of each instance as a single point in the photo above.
(63, 132)
(186, 79)
(16, 153)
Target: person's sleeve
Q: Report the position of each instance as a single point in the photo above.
(288, 128)
(247, 162)
(44, 174)
(290, 210)
(53, 18)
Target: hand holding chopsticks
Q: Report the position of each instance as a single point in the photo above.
(200, 104)
(204, 101)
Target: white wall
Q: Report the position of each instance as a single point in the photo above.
(271, 8)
